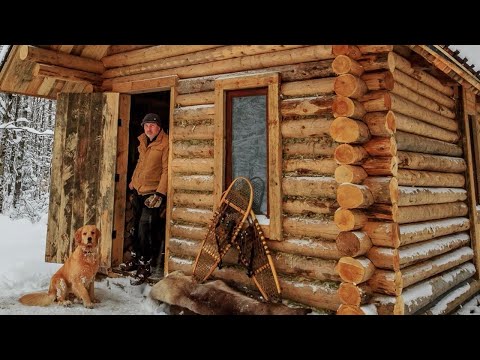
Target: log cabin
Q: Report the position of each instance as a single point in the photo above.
(367, 156)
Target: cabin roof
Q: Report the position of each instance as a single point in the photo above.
(23, 75)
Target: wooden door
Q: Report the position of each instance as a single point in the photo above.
(82, 184)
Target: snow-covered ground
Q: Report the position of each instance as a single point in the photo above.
(23, 270)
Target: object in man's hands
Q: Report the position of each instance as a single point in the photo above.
(153, 201)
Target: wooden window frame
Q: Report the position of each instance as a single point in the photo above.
(271, 81)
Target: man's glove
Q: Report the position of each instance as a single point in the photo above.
(154, 200)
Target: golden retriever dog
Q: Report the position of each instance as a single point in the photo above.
(76, 276)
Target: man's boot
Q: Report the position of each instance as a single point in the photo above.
(143, 272)
(130, 265)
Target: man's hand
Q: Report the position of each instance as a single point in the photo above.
(154, 201)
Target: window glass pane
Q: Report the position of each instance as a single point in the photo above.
(249, 145)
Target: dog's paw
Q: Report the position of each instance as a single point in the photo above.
(65, 303)
(88, 305)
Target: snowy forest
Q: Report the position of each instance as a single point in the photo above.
(26, 141)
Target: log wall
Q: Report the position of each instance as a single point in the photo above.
(402, 189)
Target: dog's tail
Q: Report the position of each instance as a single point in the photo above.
(37, 299)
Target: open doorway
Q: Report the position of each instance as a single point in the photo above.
(142, 104)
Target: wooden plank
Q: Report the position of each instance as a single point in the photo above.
(121, 184)
(53, 233)
(170, 190)
(105, 203)
(153, 84)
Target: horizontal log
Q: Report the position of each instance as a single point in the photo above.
(428, 268)
(66, 74)
(285, 57)
(386, 282)
(383, 101)
(325, 249)
(200, 98)
(379, 61)
(192, 166)
(193, 132)
(415, 298)
(198, 216)
(315, 105)
(408, 196)
(356, 295)
(180, 264)
(308, 87)
(350, 174)
(305, 128)
(348, 219)
(288, 73)
(184, 247)
(325, 229)
(194, 200)
(188, 231)
(343, 64)
(50, 57)
(136, 56)
(384, 234)
(453, 299)
(352, 51)
(309, 206)
(306, 267)
(193, 182)
(344, 106)
(185, 149)
(408, 214)
(352, 196)
(414, 126)
(414, 253)
(309, 186)
(413, 233)
(350, 86)
(395, 259)
(423, 89)
(355, 270)
(410, 95)
(347, 154)
(194, 113)
(417, 161)
(405, 66)
(416, 143)
(383, 189)
(346, 130)
(304, 292)
(353, 243)
(310, 166)
(324, 147)
(116, 49)
(381, 123)
(381, 146)
(203, 55)
(430, 178)
(381, 166)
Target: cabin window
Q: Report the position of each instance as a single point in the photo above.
(246, 150)
(247, 142)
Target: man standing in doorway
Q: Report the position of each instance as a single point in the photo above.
(149, 185)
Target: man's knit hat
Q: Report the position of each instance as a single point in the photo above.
(151, 118)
